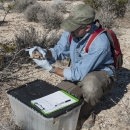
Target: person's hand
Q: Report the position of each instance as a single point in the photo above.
(37, 52)
(43, 63)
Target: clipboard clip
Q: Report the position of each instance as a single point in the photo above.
(39, 106)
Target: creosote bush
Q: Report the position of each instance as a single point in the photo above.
(30, 37)
(8, 48)
(21, 5)
(128, 10)
(58, 5)
(50, 18)
(120, 7)
(27, 37)
(116, 6)
(6, 51)
(108, 10)
(94, 3)
(31, 12)
(105, 16)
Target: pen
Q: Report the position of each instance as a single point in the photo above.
(62, 102)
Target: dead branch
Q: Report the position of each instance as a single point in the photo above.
(13, 58)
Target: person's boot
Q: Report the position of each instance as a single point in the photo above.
(86, 117)
(87, 124)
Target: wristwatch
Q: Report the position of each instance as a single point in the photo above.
(52, 70)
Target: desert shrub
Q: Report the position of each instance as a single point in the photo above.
(21, 5)
(6, 50)
(128, 9)
(120, 7)
(49, 17)
(31, 12)
(6, 8)
(108, 12)
(58, 5)
(71, 0)
(93, 3)
(29, 37)
(116, 6)
(8, 0)
(105, 15)
(1, 61)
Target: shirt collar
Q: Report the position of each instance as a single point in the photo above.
(93, 28)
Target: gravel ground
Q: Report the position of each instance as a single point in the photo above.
(113, 113)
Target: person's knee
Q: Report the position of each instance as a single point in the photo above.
(70, 87)
(91, 85)
(92, 89)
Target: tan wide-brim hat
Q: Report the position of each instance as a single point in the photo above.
(81, 14)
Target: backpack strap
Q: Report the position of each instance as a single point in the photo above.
(99, 24)
(70, 38)
(93, 37)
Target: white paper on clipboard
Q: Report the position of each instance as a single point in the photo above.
(53, 101)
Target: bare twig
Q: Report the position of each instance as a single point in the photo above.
(113, 101)
(13, 59)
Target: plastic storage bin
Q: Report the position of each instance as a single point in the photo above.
(28, 117)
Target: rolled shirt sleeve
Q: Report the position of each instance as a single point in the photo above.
(67, 73)
(62, 48)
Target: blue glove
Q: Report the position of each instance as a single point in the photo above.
(43, 63)
(42, 51)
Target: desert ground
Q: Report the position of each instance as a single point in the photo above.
(113, 111)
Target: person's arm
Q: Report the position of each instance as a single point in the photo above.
(61, 49)
(58, 71)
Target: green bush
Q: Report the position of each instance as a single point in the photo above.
(6, 51)
(8, 48)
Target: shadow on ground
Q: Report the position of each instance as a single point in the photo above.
(117, 93)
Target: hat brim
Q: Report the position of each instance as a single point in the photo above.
(69, 26)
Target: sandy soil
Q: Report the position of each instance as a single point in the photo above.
(113, 113)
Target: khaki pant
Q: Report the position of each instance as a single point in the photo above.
(91, 88)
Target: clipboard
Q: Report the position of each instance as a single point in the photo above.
(54, 102)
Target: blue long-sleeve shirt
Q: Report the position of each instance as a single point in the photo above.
(98, 55)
